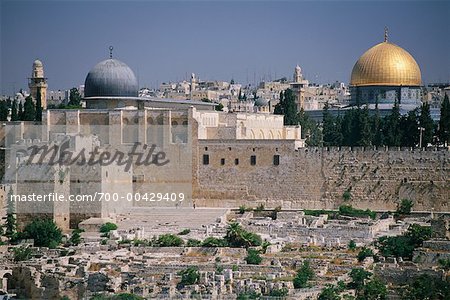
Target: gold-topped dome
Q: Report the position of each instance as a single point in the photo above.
(386, 64)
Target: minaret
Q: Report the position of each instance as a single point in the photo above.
(193, 84)
(298, 77)
(38, 83)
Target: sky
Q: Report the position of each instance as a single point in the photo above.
(247, 41)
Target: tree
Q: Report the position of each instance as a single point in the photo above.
(169, 240)
(253, 257)
(373, 290)
(405, 206)
(392, 130)
(74, 97)
(364, 128)
(20, 111)
(310, 129)
(14, 113)
(427, 287)
(409, 123)
(29, 110)
(403, 246)
(3, 111)
(214, 242)
(287, 107)
(332, 135)
(189, 276)
(377, 127)
(219, 107)
(358, 276)
(426, 122)
(444, 122)
(107, 227)
(236, 236)
(44, 232)
(38, 109)
(330, 292)
(22, 253)
(75, 239)
(304, 274)
(365, 252)
(352, 245)
(10, 226)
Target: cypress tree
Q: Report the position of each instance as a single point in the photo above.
(410, 137)
(3, 111)
(426, 122)
(29, 110)
(14, 114)
(364, 128)
(392, 128)
(444, 122)
(20, 112)
(38, 116)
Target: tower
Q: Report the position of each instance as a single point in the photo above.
(193, 84)
(38, 83)
(298, 77)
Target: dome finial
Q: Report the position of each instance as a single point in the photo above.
(385, 34)
(110, 51)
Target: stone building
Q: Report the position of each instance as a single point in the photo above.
(38, 83)
(384, 74)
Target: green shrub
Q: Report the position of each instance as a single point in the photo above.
(238, 237)
(107, 227)
(348, 210)
(169, 240)
(253, 257)
(214, 242)
(184, 231)
(346, 195)
(22, 253)
(193, 243)
(279, 293)
(189, 276)
(404, 207)
(44, 232)
(352, 245)
(365, 252)
(304, 274)
(404, 245)
(242, 209)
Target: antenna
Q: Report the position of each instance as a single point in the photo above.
(110, 51)
(385, 34)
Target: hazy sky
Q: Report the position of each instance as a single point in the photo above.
(244, 40)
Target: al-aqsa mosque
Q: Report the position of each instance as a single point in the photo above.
(384, 74)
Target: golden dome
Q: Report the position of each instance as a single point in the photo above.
(386, 64)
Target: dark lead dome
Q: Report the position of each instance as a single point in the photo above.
(111, 78)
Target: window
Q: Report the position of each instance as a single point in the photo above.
(236, 161)
(254, 149)
(276, 160)
(138, 178)
(253, 160)
(205, 159)
(222, 161)
(206, 148)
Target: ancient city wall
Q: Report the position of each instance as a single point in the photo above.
(317, 178)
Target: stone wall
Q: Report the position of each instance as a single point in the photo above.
(317, 178)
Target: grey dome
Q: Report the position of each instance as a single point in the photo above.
(111, 78)
(261, 102)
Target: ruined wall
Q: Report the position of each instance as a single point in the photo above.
(317, 178)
